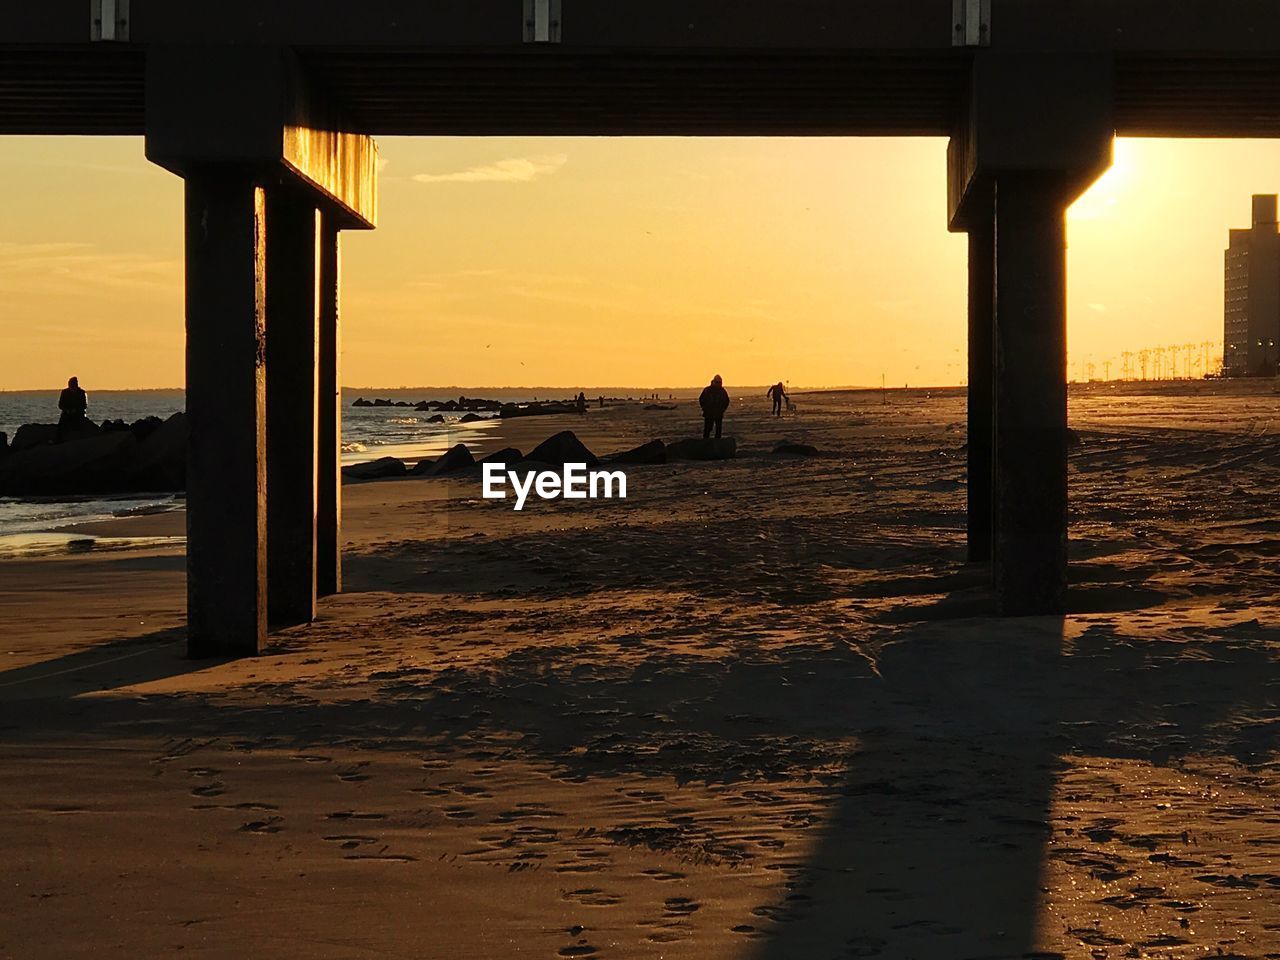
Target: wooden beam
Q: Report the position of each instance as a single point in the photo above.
(329, 441)
(1030, 395)
(292, 344)
(226, 368)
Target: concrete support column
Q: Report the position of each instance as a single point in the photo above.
(226, 461)
(981, 387)
(329, 460)
(1030, 395)
(292, 342)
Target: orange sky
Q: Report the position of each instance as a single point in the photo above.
(564, 262)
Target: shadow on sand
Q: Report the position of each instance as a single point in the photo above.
(103, 667)
(931, 753)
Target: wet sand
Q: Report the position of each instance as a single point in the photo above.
(757, 710)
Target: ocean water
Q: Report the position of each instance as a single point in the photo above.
(367, 433)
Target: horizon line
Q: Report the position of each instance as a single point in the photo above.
(451, 387)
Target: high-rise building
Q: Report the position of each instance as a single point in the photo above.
(1251, 327)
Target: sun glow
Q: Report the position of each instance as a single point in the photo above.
(594, 261)
(1104, 198)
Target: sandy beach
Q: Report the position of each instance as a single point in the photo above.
(759, 710)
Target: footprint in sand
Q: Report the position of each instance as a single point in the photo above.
(646, 796)
(269, 825)
(1095, 938)
(535, 835)
(673, 925)
(589, 860)
(177, 749)
(1227, 880)
(668, 930)
(383, 857)
(459, 813)
(579, 868)
(592, 897)
(1165, 940)
(214, 789)
(351, 841)
(764, 797)
(666, 936)
(247, 805)
(775, 913)
(682, 906)
(353, 774)
(664, 876)
(528, 811)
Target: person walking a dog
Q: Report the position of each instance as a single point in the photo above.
(778, 394)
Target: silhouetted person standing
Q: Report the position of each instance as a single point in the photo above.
(74, 403)
(777, 393)
(714, 402)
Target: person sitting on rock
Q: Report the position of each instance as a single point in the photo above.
(777, 393)
(714, 402)
(74, 404)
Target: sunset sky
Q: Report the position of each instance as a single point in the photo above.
(566, 262)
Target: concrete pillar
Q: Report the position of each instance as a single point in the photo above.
(226, 461)
(981, 387)
(1031, 395)
(292, 341)
(329, 490)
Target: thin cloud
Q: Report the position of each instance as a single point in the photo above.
(79, 268)
(512, 170)
(631, 299)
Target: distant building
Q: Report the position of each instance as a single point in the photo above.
(1251, 327)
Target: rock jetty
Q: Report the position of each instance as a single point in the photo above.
(461, 405)
(557, 450)
(147, 456)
